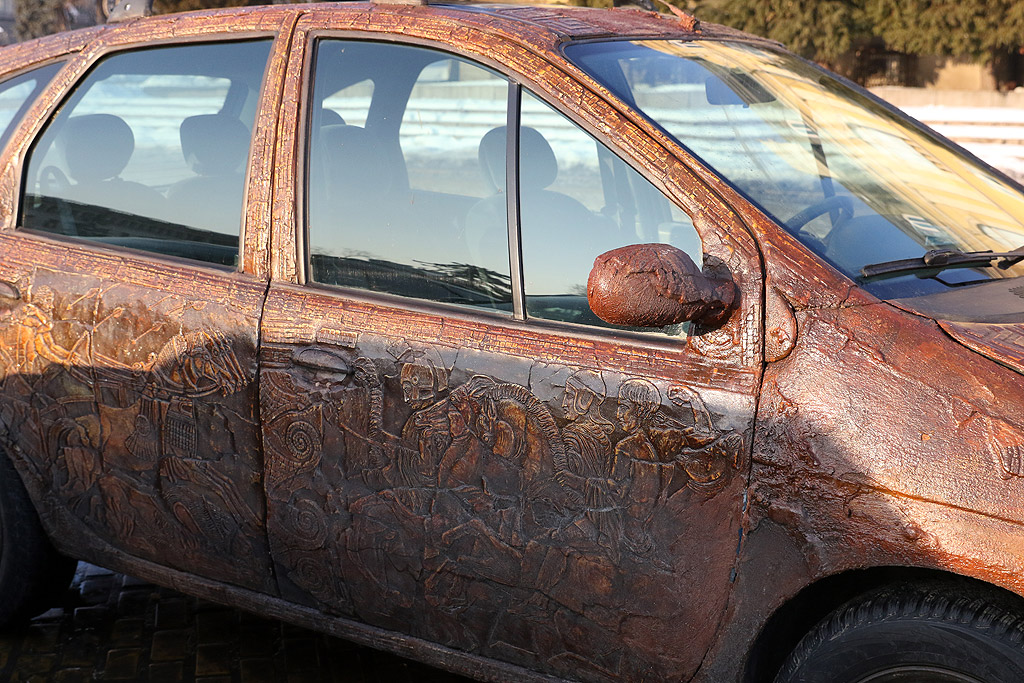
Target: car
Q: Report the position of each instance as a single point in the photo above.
(531, 342)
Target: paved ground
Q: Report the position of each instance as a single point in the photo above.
(110, 627)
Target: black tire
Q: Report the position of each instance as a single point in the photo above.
(941, 633)
(32, 574)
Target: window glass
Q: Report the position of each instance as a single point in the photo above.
(151, 151)
(859, 184)
(578, 200)
(396, 184)
(17, 95)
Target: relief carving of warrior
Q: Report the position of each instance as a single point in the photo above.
(662, 454)
(30, 330)
(588, 447)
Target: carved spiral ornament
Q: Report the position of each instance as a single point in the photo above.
(307, 523)
(314, 577)
(303, 442)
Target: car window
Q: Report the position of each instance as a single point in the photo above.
(578, 200)
(17, 95)
(395, 133)
(150, 152)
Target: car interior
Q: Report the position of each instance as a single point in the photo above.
(150, 152)
(371, 225)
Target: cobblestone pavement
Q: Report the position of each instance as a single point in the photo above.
(111, 627)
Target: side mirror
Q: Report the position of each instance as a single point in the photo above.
(654, 285)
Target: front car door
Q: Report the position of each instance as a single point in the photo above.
(132, 303)
(456, 448)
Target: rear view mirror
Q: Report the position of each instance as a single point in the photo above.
(738, 88)
(654, 285)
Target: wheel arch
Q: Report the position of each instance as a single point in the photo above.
(781, 632)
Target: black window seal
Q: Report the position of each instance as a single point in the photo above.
(515, 237)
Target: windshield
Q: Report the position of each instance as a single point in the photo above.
(857, 184)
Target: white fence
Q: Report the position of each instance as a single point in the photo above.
(995, 134)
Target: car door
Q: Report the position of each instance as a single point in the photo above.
(132, 294)
(458, 449)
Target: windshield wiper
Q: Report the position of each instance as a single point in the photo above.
(940, 259)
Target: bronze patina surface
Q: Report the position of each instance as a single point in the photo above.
(508, 500)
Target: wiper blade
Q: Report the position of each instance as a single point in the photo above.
(940, 259)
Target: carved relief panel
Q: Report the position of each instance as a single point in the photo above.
(570, 498)
(131, 399)
(512, 501)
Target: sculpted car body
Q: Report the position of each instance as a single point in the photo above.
(290, 330)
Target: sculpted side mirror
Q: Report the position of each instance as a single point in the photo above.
(654, 285)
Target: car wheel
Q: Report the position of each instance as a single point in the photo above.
(32, 573)
(913, 634)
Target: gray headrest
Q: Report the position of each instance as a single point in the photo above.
(97, 146)
(537, 169)
(214, 144)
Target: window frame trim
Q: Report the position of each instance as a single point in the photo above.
(514, 228)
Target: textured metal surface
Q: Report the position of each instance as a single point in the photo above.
(482, 493)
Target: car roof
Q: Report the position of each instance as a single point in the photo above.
(563, 22)
(545, 27)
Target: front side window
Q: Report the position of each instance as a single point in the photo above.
(395, 133)
(150, 152)
(17, 95)
(408, 195)
(578, 200)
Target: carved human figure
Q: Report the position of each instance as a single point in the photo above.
(707, 456)
(637, 465)
(588, 449)
(33, 330)
(424, 383)
(81, 462)
(199, 364)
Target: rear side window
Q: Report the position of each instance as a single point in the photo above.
(17, 95)
(150, 152)
(394, 174)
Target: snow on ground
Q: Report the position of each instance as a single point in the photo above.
(994, 134)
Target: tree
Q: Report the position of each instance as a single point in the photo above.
(36, 18)
(976, 29)
(818, 29)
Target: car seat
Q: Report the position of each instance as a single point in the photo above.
(560, 236)
(215, 147)
(97, 149)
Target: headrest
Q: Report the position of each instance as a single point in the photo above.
(214, 144)
(329, 117)
(355, 163)
(97, 147)
(537, 166)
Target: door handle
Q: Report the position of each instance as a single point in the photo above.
(9, 290)
(319, 359)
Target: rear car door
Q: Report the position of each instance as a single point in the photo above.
(133, 287)
(467, 455)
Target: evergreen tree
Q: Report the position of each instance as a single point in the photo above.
(37, 18)
(818, 29)
(960, 28)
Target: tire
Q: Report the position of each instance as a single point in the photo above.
(939, 633)
(32, 573)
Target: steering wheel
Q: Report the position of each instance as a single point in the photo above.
(840, 203)
(53, 184)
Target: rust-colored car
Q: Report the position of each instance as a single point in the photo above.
(526, 341)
